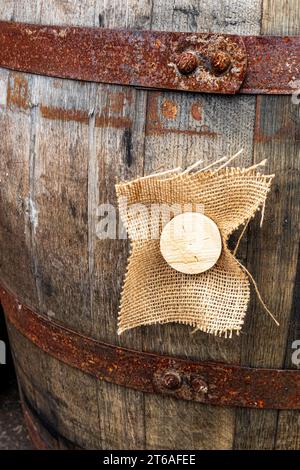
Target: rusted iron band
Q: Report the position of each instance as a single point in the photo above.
(204, 382)
(34, 435)
(198, 62)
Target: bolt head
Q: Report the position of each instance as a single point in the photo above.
(171, 380)
(220, 62)
(199, 385)
(186, 63)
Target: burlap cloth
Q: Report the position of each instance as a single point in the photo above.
(214, 301)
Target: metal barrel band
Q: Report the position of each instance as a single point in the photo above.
(204, 382)
(33, 433)
(197, 62)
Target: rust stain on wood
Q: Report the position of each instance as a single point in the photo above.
(61, 114)
(17, 92)
(117, 122)
(202, 131)
(196, 111)
(169, 109)
(117, 101)
(155, 126)
(101, 120)
(34, 435)
(57, 84)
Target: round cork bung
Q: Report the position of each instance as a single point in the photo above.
(191, 243)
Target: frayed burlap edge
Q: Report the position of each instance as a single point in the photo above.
(136, 308)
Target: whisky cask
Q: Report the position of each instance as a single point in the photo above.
(63, 144)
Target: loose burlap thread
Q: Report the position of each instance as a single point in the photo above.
(214, 301)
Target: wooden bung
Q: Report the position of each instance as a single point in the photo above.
(191, 243)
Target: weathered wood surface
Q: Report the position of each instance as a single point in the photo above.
(63, 145)
(15, 148)
(276, 136)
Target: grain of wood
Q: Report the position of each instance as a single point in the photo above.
(15, 204)
(7, 10)
(59, 180)
(27, 12)
(17, 208)
(116, 143)
(281, 17)
(58, 191)
(264, 345)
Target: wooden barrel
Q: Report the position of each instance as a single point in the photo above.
(63, 144)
